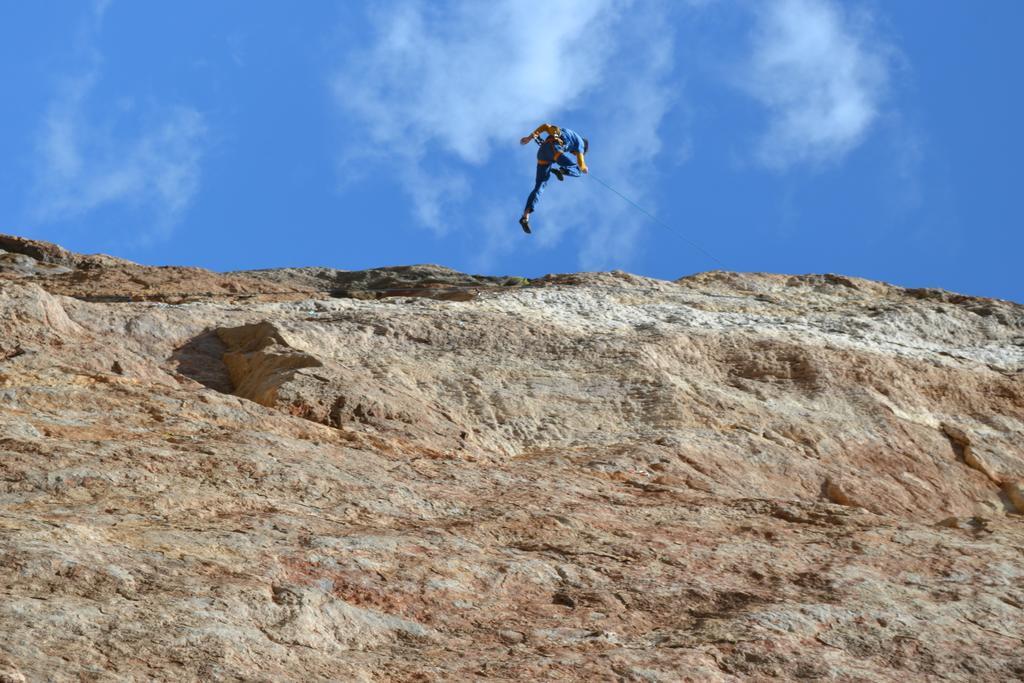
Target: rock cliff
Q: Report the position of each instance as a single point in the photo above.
(416, 474)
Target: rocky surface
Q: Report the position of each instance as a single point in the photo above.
(416, 474)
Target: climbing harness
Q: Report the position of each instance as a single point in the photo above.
(554, 141)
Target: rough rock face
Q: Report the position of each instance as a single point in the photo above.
(416, 474)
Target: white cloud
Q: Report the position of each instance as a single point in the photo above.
(820, 74)
(444, 90)
(100, 8)
(473, 75)
(86, 159)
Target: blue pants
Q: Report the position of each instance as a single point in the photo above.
(547, 156)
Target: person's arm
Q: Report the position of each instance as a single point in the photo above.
(542, 128)
(580, 162)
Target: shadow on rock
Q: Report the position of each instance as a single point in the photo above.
(202, 359)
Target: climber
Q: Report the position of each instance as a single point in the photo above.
(553, 157)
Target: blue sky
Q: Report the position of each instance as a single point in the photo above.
(873, 139)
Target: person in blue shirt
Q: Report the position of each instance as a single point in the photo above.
(553, 156)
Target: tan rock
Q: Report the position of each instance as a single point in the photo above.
(838, 494)
(9, 673)
(973, 459)
(259, 361)
(591, 476)
(1015, 492)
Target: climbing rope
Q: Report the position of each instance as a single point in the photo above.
(654, 218)
(660, 222)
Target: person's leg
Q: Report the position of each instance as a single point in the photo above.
(546, 154)
(543, 174)
(568, 166)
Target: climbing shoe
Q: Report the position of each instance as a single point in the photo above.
(559, 173)
(525, 222)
